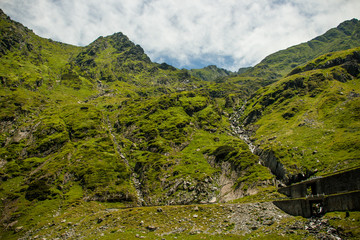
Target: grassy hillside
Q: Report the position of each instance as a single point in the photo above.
(310, 119)
(34, 61)
(85, 131)
(277, 65)
(171, 140)
(103, 123)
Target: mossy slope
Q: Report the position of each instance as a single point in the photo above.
(102, 125)
(83, 124)
(277, 65)
(310, 119)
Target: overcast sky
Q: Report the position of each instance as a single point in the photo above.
(187, 33)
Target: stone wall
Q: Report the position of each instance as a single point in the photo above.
(342, 182)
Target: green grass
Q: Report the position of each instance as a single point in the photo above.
(77, 122)
(95, 220)
(279, 64)
(310, 120)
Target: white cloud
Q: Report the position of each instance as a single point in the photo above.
(228, 33)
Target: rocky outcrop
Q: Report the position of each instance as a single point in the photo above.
(191, 191)
(227, 181)
(181, 191)
(349, 63)
(268, 159)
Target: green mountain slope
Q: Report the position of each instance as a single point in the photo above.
(103, 123)
(101, 127)
(210, 73)
(309, 121)
(277, 65)
(33, 61)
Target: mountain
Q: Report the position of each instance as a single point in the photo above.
(33, 60)
(243, 70)
(277, 65)
(90, 135)
(308, 122)
(210, 73)
(104, 123)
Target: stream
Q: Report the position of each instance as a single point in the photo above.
(237, 129)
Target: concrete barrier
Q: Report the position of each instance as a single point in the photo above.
(313, 206)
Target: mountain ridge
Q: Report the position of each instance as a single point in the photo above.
(281, 62)
(210, 73)
(102, 128)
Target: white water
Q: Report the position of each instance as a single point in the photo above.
(238, 130)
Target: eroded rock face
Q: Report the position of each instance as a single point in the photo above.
(221, 187)
(185, 191)
(269, 160)
(227, 180)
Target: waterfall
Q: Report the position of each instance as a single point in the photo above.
(238, 130)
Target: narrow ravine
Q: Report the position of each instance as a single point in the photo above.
(238, 131)
(134, 175)
(266, 158)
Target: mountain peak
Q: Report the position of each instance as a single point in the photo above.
(114, 38)
(210, 73)
(349, 22)
(348, 26)
(117, 45)
(211, 67)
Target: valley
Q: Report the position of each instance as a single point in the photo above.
(99, 142)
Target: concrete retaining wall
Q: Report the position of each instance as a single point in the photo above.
(343, 202)
(337, 183)
(298, 207)
(338, 202)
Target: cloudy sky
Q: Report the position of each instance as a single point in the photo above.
(187, 33)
